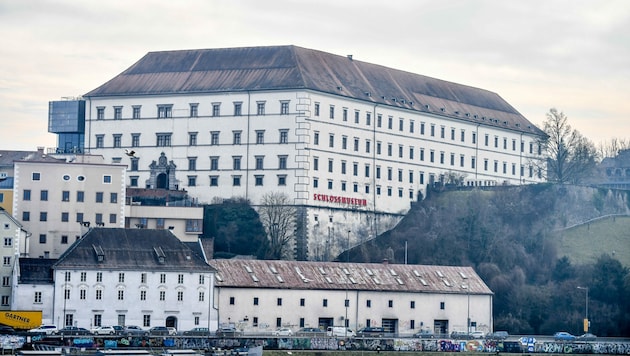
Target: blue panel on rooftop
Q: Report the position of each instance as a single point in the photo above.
(66, 116)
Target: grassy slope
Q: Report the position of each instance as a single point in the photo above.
(586, 242)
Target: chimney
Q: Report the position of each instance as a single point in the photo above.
(350, 57)
(385, 261)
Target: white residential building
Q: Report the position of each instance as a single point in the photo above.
(352, 144)
(259, 296)
(114, 276)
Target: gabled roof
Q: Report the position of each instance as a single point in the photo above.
(8, 157)
(351, 276)
(297, 68)
(131, 249)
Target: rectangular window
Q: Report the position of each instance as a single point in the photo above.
(284, 108)
(113, 198)
(135, 140)
(214, 138)
(26, 194)
(192, 139)
(136, 112)
(238, 108)
(194, 110)
(163, 140)
(100, 113)
(192, 163)
(260, 137)
(26, 216)
(42, 238)
(332, 111)
(216, 109)
(282, 162)
(165, 111)
(117, 140)
(65, 195)
(100, 141)
(260, 108)
(260, 160)
(43, 195)
(236, 163)
(112, 218)
(236, 137)
(214, 181)
(65, 216)
(316, 109)
(43, 216)
(284, 136)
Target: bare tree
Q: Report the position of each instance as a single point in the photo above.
(278, 217)
(570, 157)
(611, 148)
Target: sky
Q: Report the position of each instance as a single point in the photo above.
(573, 55)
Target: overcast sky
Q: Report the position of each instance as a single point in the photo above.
(573, 55)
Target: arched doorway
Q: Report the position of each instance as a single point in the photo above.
(161, 181)
(171, 321)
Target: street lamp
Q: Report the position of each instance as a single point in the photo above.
(586, 321)
(467, 309)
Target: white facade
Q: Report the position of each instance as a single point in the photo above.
(53, 199)
(114, 276)
(354, 162)
(259, 296)
(124, 297)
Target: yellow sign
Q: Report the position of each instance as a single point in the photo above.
(21, 319)
(585, 325)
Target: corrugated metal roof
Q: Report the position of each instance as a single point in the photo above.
(131, 249)
(352, 276)
(291, 67)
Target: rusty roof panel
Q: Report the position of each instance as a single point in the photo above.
(360, 276)
(296, 68)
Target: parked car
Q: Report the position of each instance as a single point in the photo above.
(587, 337)
(310, 332)
(159, 330)
(73, 330)
(103, 330)
(339, 331)
(283, 332)
(424, 334)
(133, 330)
(228, 331)
(371, 331)
(477, 334)
(498, 335)
(461, 335)
(197, 332)
(45, 329)
(171, 330)
(563, 336)
(6, 330)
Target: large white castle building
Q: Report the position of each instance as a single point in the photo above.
(351, 143)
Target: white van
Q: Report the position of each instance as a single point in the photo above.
(339, 331)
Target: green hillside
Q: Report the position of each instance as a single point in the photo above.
(533, 245)
(584, 243)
